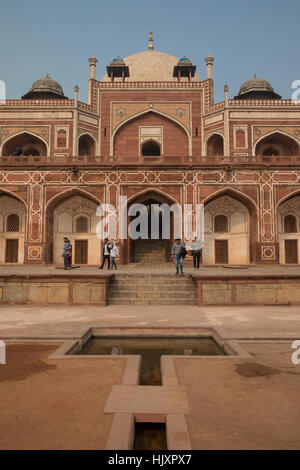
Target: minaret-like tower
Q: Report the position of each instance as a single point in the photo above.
(93, 61)
(209, 62)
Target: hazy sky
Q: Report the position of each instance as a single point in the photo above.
(58, 36)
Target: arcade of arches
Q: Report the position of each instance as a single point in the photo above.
(228, 231)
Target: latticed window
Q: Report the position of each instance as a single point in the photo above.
(13, 223)
(82, 224)
(290, 224)
(221, 224)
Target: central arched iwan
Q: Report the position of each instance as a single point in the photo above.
(127, 140)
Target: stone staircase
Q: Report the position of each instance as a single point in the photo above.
(152, 289)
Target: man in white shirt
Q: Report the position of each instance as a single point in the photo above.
(196, 248)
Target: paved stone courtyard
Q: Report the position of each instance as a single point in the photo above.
(235, 403)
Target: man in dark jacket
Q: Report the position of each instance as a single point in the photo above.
(106, 254)
(178, 250)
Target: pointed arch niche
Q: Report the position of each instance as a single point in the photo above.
(12, 229)
(277, 144)
(25, 144)
(72, 214)
(230, 221)
(175, 140)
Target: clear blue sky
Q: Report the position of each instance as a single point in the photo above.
(58, 37)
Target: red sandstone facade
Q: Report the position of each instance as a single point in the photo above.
(151, 139)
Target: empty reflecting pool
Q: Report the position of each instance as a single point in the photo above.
(151, 349)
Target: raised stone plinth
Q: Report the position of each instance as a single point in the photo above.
(54, 289)
(248, 289)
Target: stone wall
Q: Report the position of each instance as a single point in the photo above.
(54, 290)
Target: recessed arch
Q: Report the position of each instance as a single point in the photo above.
(14, 136)
(149, 196)
(153, 193)
(150, 147)
(14, 195)
(288, 196)
(154, 111)
(49, 209)
(287, 222)
(251, 204)
(214, 145)
(58, 198)
(259, 142)
(87, 145)
(13, 227)
(253, 215)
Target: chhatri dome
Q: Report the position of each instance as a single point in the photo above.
(257, 88)
(45, 88)
(151, 66)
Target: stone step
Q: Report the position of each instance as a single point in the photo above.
(146, 289)
(153, 276)
(152, 295)
(152, 289)
(177, 282)
(140, 301)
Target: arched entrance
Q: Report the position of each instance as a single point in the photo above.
(151, 250)
(24, 144)
(12, 229)
(86, 146)
(215, 145)
(73, 215)
(230, 222)
(277, 144)
(289, 230)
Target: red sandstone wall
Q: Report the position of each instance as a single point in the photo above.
(194, 97)
(175, 141)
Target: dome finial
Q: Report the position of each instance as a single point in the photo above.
(150, 45)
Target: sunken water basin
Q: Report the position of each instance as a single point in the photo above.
(151, 349)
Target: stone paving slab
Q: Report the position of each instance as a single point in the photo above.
(232, 322)
(53, 403)
(163, 269)
(146, 399)
(243, 404)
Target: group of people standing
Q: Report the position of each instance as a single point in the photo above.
(179, 252)
(109, 253)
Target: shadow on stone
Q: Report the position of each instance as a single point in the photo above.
(253, 369)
